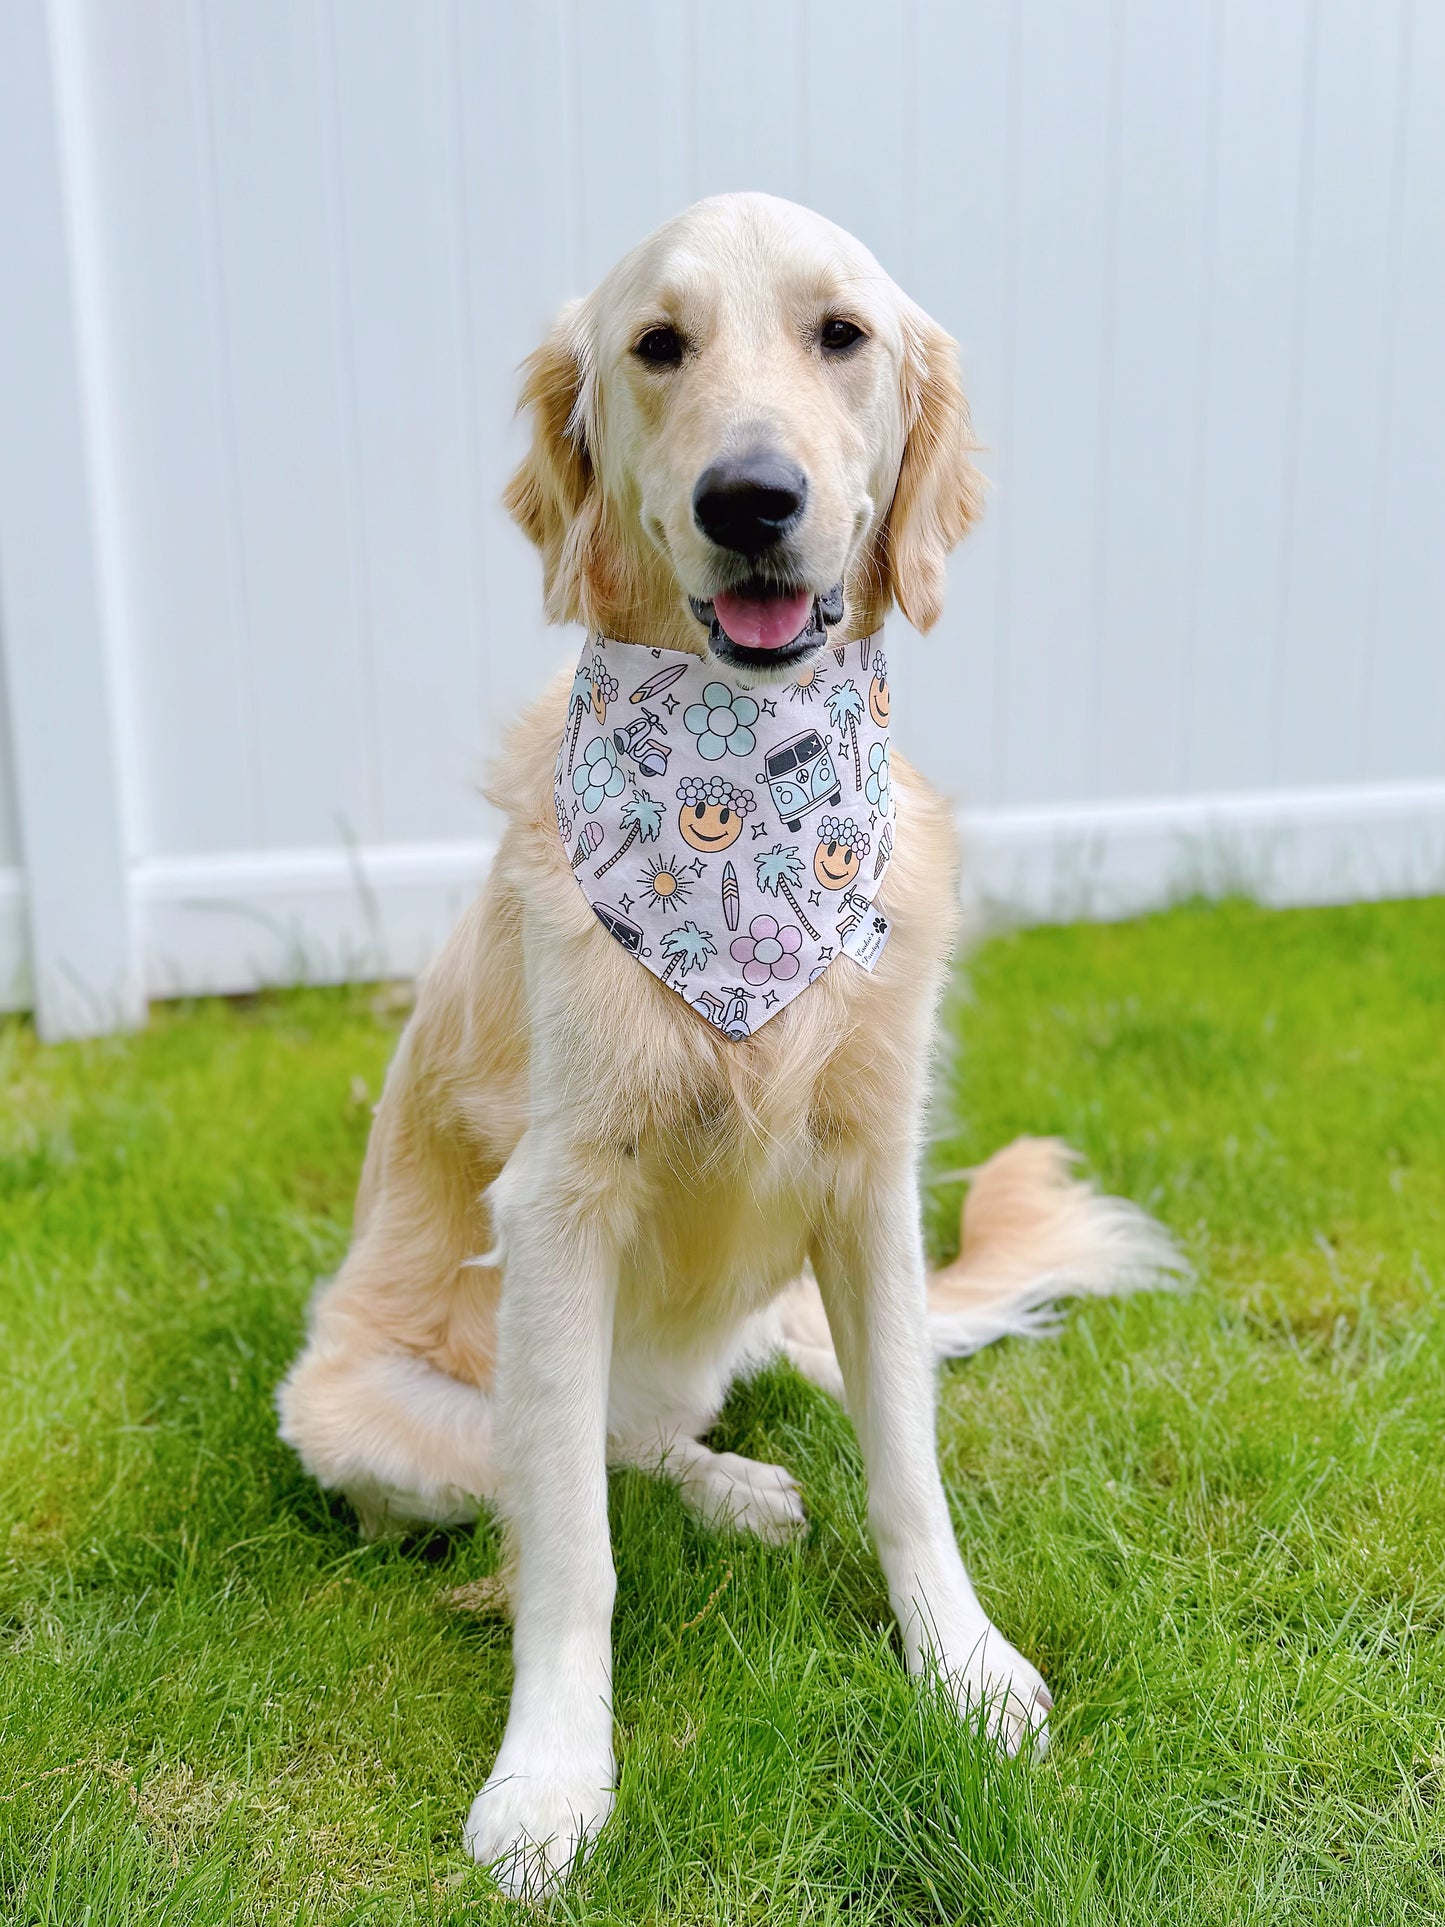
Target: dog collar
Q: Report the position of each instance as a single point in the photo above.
(731, 837)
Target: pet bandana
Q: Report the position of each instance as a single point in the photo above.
(731, 838)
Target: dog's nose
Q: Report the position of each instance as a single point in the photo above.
(747, 502)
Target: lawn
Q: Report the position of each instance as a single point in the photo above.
(1214, 1518)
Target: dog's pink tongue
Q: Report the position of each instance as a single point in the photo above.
(762, 622)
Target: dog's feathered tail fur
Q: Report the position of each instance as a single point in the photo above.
(1033, 1232)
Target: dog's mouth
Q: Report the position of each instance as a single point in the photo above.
(764, 625)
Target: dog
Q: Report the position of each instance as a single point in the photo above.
(585, 1208)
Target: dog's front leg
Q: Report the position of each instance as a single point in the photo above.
(558, 1211)
(870, 1268)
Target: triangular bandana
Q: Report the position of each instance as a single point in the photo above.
(730, 837)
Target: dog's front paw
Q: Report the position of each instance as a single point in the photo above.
(733, 1494)
(532, 1829)
(988, 1678)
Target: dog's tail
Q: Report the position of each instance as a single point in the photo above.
(1034, 1232)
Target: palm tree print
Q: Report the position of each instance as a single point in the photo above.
(845, 707)
(579, 702)
(689, 947)
(643, 817)
(780, 873)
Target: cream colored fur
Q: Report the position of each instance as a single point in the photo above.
(583, 1212)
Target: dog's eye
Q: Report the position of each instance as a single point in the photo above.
(662, 347)
(836, 336)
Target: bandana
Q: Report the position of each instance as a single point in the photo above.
(731, 838)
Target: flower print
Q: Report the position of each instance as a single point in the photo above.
(597, 775)
(768, 951)
(877, 788)
(722, 723)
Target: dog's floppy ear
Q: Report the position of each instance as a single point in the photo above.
(939, 492)
(555, 481)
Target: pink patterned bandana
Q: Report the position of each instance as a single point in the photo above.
(731, 838)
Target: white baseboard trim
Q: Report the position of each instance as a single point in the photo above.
(1287, 848)
(237, 922)
(220, 924)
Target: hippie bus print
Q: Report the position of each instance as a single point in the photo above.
(800, 777)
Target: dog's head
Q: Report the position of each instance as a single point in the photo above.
(748, 427)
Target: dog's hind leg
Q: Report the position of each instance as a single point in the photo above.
(405, 1443)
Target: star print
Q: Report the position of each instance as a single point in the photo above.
(624, 903)
(770, 1000)
(697, 866)
(669, 703)
(825, 950)
(872, 818)
(770, 708)
(813, 898)
(759, 829)
(576, 811)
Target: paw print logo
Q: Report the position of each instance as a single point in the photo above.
(877, 787)
(597, 775)
(722, 723)
(768, 950)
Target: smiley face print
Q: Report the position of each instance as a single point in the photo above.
(879, 702)
(713, 810)
(841, 849)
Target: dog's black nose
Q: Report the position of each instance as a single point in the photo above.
(747, 502)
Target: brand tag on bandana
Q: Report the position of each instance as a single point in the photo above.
(864, 942)
(731, 837)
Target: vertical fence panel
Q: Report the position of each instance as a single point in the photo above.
(748, 125)
(1251, 399)
(1402, 714)
(1065, 216)
(52, 609)
(1152, 391)
(1350, 199)
(404, 360)
(278, 239)
(518, 215)
(193, 756)
(964, 107)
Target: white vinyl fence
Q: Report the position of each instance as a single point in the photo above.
(269, 266)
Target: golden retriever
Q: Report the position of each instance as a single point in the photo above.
(584, 1211)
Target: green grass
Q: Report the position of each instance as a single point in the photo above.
(1215, 1519)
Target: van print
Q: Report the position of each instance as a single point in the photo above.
(801, 778)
